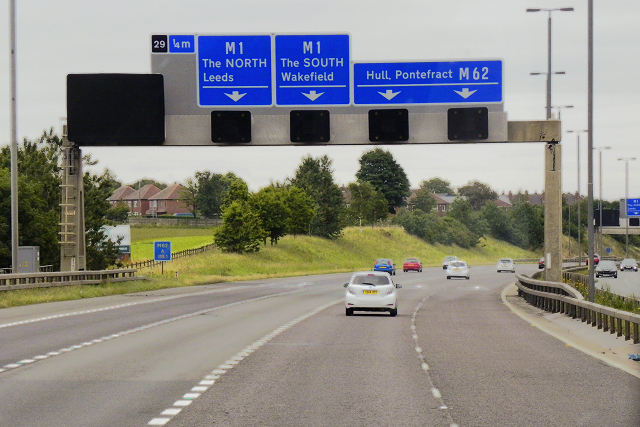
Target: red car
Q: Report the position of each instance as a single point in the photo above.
(412, 264)
(596, 259)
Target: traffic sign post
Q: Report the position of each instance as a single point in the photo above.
(162, 252)
(414, 83)
(234, 70)
(312, 70)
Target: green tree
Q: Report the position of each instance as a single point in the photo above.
(527, 225)
(189, 196)
(424, 200)
(497, 221)
(478, 194)
(380, 169)
(241, 230)
(270, 205)
(301, 208)
(101, 252)
(211, 189)
(238, 192)
(418, 223)
(438, 186)
(118, 212)
(366, 203)
(315, 177)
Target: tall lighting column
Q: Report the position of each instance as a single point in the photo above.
(601, 242)
(626, 203)
(561, 9)
(578, 132)
(560, 107)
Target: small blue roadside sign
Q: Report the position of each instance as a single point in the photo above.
(162, 251)
(313, 69)
(234, 70)
(402, 83)
(633, 207)
(607, 250)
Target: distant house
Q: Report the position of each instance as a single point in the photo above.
(150, 200)
(120, 194)
(138, 201)
(167, 202)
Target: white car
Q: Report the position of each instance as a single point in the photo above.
(458, 269)
(371, 291)
(506, 264)
(447, 260)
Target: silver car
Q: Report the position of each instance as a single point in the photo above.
(506, 264)
(447, 260)
(606, 268)
(628, 264)
(371, 291)
(458, 269)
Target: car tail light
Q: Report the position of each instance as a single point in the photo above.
(390, 291)
(350, 290)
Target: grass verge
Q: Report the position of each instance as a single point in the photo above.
(293, 256)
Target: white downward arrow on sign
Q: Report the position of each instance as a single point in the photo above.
(465, 93)
(235, 95)
(312, 95)
(389, 94)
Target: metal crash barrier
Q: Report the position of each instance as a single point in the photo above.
(561, 298)
(65, 278)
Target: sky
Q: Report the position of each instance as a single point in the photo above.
(56, 38)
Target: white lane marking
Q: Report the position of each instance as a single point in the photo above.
(152, 325)
(215, 374)
(425, 367)
(151, 301)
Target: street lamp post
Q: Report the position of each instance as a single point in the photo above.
(578, 132)
(626, 199)
(600, 228)
(560, 107)
(561, 9)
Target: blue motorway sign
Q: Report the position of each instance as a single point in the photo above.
(312, 69)
(182, 44)
(456, 82)
(162, 251)
(633, 207)
(234, 70)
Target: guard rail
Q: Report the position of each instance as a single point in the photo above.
(562, 298)
(66, 278)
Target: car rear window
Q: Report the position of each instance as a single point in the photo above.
(412, 260)
(457, 264)
(373, 278)
(505, 260)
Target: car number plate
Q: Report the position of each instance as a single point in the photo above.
(371, 292)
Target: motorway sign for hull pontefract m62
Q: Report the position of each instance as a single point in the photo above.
(234, 70)
(416, 83)
(312, 69)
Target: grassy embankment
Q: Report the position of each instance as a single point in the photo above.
(293, 256)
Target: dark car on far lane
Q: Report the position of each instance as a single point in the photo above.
(386, 265)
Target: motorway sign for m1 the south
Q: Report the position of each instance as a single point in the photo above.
(402, 83)
(312, 69)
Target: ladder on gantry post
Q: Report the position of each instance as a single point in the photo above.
(72, 232)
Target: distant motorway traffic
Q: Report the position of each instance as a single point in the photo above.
(281, 352)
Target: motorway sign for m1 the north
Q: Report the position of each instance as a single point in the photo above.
(402, 83)
(234, 70)
(312, 69)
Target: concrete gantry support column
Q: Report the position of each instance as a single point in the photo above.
(72, 230)
(553, 212)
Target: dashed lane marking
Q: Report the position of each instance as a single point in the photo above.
(209, 380)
